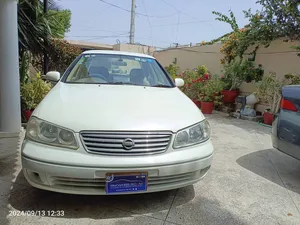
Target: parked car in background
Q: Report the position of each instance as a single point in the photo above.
(115, 123)
(286, 126)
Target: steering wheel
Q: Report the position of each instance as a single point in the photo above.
(99, 76)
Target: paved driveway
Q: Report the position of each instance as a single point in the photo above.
(249, 183)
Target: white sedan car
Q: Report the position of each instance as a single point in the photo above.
(115, 123)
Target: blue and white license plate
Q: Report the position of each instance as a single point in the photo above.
(126, 182)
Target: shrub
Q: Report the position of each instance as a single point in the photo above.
(269, 91)
(194, 81)
(172, 70)
(211, 90)
(240, 70)
(33, 92)
(61, 54)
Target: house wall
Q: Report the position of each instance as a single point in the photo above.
(279, 57)
(135, 48)
(191, 57)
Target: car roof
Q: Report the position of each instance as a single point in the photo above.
(108, 52)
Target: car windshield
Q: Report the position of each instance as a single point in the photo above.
(118, 70)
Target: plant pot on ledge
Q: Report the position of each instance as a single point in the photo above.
(229, 96)
(268, 118)
(27, 114)
(197, 103)
(207, 107)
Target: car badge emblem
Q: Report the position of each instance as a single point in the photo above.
(128, 144)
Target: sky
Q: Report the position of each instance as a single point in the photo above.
(159, 23)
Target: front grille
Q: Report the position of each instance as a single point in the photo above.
(112, 143)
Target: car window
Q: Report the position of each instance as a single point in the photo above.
(118, 69)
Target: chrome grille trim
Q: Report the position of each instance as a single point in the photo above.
(110, 143)
(100, 182)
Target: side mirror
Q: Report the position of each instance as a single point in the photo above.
(179, 82)
(53, 76)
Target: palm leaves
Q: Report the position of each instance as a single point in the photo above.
(34, 26)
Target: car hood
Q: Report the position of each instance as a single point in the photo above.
(118, 108)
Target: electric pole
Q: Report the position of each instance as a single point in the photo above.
(46, 44)
(132, 23)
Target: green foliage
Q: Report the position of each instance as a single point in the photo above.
(211, 90)
(172, 70)
(276, 19)
(269, 91)
(292, 79)
(201, 70)
(36, 28)
(237, 43)
(231, 20)
(33, 92)
(24, 67)
(63, 20)
(194, 81)
(240, 70)
(61, 54)
(282, 16)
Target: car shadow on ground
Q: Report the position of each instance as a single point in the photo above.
(152, 208)
(274, 166)
(94, 207)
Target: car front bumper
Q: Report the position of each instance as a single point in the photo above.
(72, 172)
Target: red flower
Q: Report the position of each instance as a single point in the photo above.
(206, 76)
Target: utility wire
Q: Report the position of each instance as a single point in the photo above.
(167, 3)
(137, 13)
(176, 24)
(101, 37)
(178, 21)
(150, 27)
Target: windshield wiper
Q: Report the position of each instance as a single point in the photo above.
(161, 85)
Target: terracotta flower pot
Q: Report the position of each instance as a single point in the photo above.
(229, 96)
(207, 107)
(27, 114)
(197, 103)
(268, 118)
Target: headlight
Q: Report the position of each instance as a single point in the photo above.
(41, 131)
(195, 134)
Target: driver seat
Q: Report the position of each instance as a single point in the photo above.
(100, 71)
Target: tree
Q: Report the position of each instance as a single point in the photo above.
(283, 16)
(63, 20)
(61, 54)
(37, 28)
(278, 18)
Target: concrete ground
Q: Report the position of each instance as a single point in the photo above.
(249, 183)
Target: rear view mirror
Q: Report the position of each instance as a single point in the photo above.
(53, 76)
(179, 82)
(119, 63)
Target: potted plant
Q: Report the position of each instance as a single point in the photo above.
(210, 94)
(194, 81)
(236, 72)
(32, 93)
(269, 92)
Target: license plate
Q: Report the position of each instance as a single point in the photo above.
(126, 182)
